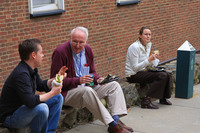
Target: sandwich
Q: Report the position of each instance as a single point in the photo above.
(59, 78)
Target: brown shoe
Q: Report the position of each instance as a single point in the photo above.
(124, 126)
(118, 129)
(146, 103)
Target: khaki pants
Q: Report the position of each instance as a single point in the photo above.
(90, 98)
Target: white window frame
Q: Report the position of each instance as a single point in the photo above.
(47, 9)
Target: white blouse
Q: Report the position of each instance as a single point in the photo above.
(137, 58)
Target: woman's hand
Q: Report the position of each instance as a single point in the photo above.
(153, 57)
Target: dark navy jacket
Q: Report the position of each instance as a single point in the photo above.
(19, 89)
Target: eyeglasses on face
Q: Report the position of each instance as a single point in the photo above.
(77, 42)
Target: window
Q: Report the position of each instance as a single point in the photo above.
(126, 2)
(45, 7)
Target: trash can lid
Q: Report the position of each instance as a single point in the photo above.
(186, 46)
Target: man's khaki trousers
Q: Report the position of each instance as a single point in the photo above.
(90, 98)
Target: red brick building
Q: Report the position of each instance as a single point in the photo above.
(112, 29)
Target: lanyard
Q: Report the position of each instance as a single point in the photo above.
(79, 65)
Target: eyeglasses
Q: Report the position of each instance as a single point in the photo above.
(76, 42)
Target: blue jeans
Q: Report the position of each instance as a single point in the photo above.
(43, 118)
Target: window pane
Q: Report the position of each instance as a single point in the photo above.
(42, 2)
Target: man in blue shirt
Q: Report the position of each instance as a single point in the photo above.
(20, 106)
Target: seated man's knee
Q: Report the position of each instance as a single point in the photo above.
(59, 99)
(88, 89)
(117, 85)
(42, 110)
(114, 84)
(114, 87)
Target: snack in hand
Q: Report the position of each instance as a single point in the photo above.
(59, 78)
(156, 52)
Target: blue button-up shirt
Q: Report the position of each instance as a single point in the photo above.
(79, 62)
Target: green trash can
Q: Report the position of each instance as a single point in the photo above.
(185, 71)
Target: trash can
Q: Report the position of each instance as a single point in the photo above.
(185, 71)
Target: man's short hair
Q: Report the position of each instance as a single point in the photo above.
(28, 46)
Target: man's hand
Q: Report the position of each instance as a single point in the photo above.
(100, 79)
(86, 79)
(56, 90)
(63, 70)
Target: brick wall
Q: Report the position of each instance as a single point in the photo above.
(111, 30)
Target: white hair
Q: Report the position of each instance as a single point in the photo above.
(82, 29)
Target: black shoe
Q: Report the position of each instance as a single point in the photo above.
(165, 102)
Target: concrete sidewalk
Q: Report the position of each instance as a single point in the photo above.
(182, 117)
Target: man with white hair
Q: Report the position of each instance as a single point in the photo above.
(74, 55)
